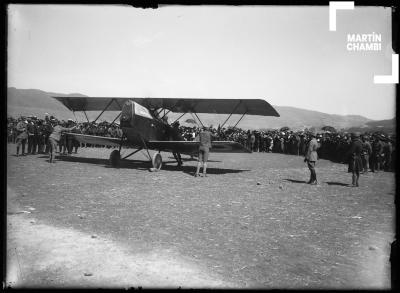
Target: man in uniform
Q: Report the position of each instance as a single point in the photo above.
(40, 137)
(355, 162)
(36, 136)
(377, 149)
(69, 141)
(22, 135)
(54, 139)
(30, 128)
(366, 152)
(47, 129)
(387, 151)
(311, 157)
(204, 149)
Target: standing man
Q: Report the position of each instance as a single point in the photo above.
(366, 153)
(36, 135)
(311, 158)
(387, 151)
(69, 140)
(54, 139)
(204, 149)
(377, 150)
(47, 129)
(355, 162)
(252, 141)
(30, 128)
(22, 135)
(40, 137)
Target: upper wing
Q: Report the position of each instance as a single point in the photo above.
(100, 140)
(177, 105)
(193, 146)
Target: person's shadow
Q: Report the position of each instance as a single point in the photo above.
(295, 181)
(337, 183)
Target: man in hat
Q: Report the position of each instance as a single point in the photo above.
(387, 151)
(22, 135)
(377, 150)
(69, 141)
(311, 158)
(47, 129)
(355, 162)
(54, 139)
(30, 128)
(204, 149)
(366, 152)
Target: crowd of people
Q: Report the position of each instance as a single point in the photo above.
(31, 133)
(378, 149)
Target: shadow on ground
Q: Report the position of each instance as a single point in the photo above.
(194, 160)
(144, 165)
(337, 183)
(295, 181)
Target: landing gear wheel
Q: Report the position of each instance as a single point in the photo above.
(156, 161)
(115, 158)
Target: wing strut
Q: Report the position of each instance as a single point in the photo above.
(165, 113)
(116, 118)
(240, 119)
(145, 146)
(179, 117)
(108, 105)
(139, 149)
(76, 120)
(86, 116)
(199, 119)
(231, 113)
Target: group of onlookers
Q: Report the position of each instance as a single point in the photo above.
(378, 149)
(31, 134)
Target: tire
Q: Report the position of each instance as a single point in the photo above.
(157, 161)
(115, 158)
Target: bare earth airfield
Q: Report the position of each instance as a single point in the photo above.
(252, 223)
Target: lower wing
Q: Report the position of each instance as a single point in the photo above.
(188, 147)
(94, 139)
(193, 146)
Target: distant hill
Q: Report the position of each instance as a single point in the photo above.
(386, 126)
(37, 102)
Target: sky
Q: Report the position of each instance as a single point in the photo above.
(283, 54)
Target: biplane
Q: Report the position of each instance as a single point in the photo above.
(144, 125)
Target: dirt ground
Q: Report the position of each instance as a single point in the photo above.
(252, 223)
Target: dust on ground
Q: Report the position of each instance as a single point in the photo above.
(252, 223)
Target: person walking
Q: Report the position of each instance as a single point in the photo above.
(355, 161)
(204, 149)
(311, 158)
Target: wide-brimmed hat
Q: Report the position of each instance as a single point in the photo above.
(355, 135)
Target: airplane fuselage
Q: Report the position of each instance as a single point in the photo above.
(138, 125)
